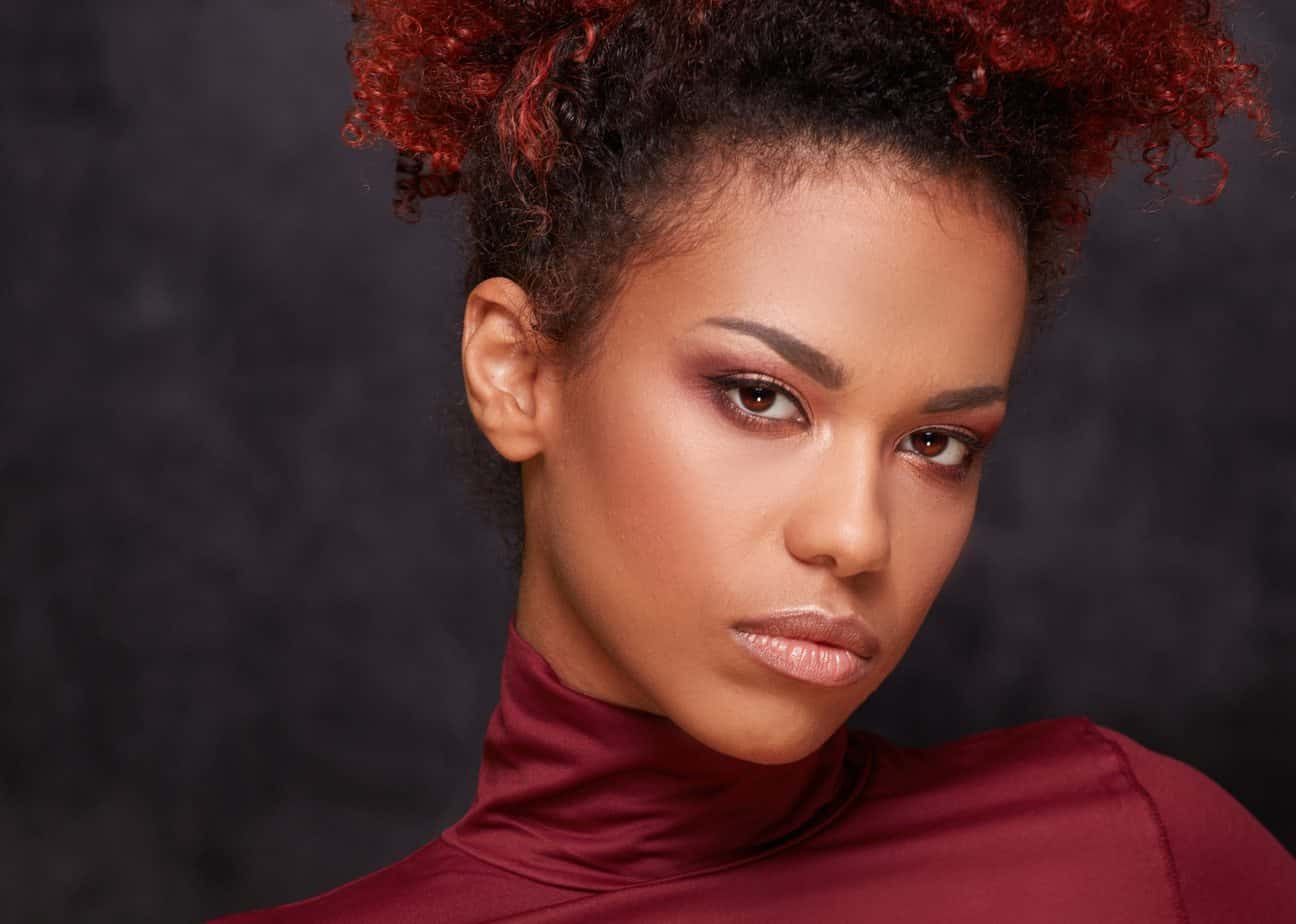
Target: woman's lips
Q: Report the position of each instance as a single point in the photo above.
(810, 645)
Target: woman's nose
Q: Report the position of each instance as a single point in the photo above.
(840, 520)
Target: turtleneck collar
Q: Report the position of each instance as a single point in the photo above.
(587, 794)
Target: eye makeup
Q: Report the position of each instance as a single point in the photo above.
(722, 386)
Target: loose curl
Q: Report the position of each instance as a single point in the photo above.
(577, 128)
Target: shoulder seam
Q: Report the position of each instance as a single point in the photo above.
(1163, 834)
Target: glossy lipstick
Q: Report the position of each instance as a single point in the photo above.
(810, 645)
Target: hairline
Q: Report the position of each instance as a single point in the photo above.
(673, 225)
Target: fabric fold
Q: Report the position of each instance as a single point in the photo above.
(587, 794)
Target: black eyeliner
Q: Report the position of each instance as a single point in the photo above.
(724, 382)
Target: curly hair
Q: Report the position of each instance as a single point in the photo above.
(578, 128)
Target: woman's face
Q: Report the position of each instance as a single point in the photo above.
(786, 416)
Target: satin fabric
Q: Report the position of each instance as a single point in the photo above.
(588, 811)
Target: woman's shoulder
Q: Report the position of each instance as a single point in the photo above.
(1229, 866)
(1222, 862)
(437, 882)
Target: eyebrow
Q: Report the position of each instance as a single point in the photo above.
(830, 373)
(822, 368)
(961, 398)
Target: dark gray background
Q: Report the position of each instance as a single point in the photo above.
(252, 628)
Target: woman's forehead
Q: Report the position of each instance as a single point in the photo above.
(859, 265)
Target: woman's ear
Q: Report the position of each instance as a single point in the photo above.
(502, 366)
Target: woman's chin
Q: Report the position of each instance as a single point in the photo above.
(780, 748)
(764, 736)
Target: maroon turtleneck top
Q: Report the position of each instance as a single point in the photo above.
(588, 811)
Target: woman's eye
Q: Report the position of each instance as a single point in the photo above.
(943, 448)
(762, 400)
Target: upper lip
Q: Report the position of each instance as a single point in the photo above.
(813, 624)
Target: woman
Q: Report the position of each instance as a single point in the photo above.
(748, 286)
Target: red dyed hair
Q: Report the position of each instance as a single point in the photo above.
(1154, 69)
(429, 73)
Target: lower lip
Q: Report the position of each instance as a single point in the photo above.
(814, 662)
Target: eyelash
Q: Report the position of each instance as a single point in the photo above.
(722, 384)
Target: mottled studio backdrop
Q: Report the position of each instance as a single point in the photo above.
(252, 628)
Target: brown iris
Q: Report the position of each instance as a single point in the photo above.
(760, 397)
(930, 442)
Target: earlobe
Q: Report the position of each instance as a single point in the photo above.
(501, 366)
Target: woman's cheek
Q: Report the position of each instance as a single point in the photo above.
(644, 485)
(931, 528)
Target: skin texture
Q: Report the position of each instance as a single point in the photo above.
(655, 520)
